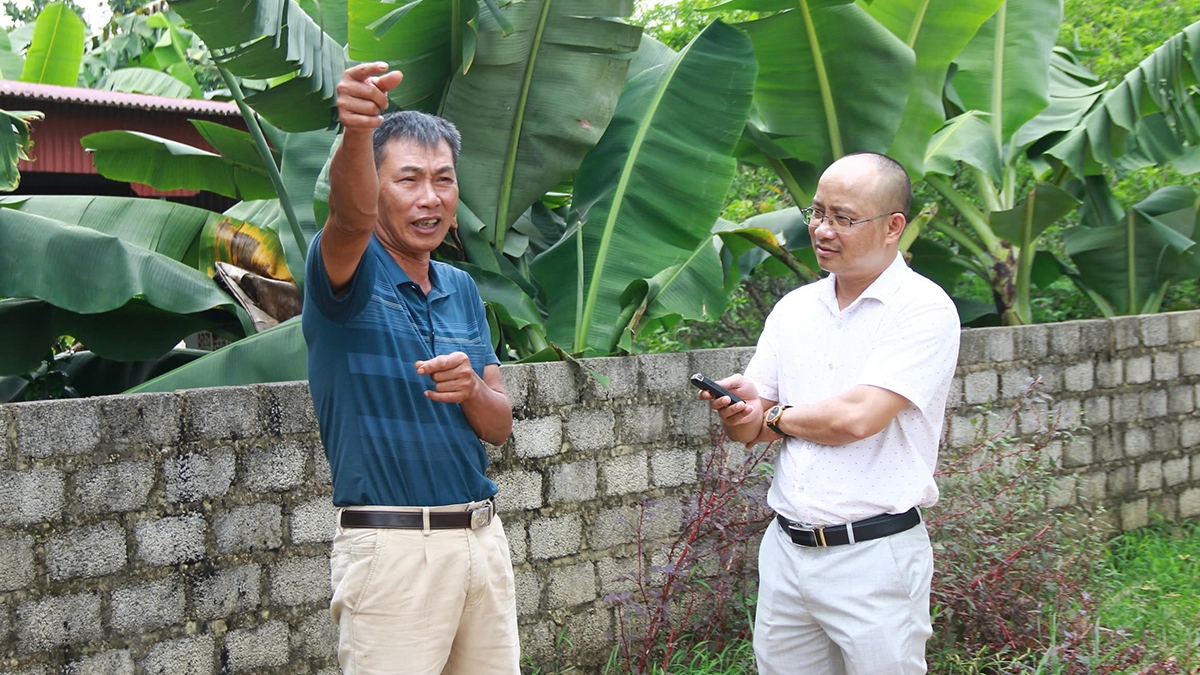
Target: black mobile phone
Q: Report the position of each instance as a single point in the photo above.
(701, 382)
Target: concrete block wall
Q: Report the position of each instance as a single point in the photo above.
(189, 532)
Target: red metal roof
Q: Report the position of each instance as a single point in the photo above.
(100, 97)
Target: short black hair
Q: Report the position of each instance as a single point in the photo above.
(428, 130)
(894, 184)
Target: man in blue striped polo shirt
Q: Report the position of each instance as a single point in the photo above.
(405, 384)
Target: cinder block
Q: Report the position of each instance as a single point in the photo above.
(1093, 487)
(742, 356)
(313, 521)
(1184, 327)
(621, 374)
(1155, 329)
(48, 428)
(1175, 471)
(641, 424)
(955, 396)
(1068, 414)
(1126, 332)
(625, 474)
(1050, 378)
(113, 488)
(1109, 446)
(225, 413)
(516, 384)
(662, 520)
(1166, 437)
(715, 363)
(139, 420)
(554, 384)
(57, 622)
(613, 527)
(4, 461)
(965, 429)
(591, 430)
(218, 594)
(1110, 373)
(199, 475)
(276, 468)
(671, 468)
(1135, 514)
(1189, 503)
(147, 607)
(90, 551)
(1097, 411)
(589, 632)
(571, 585)
(1181, 399)
(692, 419)
(1062, 492)
(514, 533)
(555, 537)
(290, 407)
(318, 635)
(1139, 369)
(537, 437)
(321, 472)
(1150, 476)
(184, 656)
(296, 581)
(1079, 376)
(1166, 366)
(117, 662)
(1077, 452)
(573, 482)
(980, 386)
(971, 347)
(16, 563)
(256, 527)
(1064, 338)
(529, 592)
(519, 490)
(1189, 361)
(1033, 342)
(664, 373)
(1122, 481)
(617, 575)
(1126, 407)
(262, 647)
(1015, 382)
(1137, 442)
(172, 540)
(1154, 403)
(1095, 336)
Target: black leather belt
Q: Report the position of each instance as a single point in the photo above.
(840, 535)
(415, 520)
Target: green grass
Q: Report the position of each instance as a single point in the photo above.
(1154, 585)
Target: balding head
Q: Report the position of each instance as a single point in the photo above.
(887, 183)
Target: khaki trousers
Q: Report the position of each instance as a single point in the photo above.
(424, 603)
(859, 609)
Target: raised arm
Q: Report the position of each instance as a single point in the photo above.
(353, 180)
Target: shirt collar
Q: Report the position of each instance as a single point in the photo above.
(882, 289)
(398, 277)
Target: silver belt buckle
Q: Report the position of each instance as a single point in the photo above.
(481, 516)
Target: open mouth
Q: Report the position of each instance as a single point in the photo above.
(427, 224)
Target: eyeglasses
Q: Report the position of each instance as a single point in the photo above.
(839, 223)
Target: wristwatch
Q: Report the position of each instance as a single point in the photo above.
(772, 418)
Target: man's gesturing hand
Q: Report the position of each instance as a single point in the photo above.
(362, 94)
(452, 373)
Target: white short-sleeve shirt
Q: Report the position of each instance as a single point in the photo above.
(901, 334)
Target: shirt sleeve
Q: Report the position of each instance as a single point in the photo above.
(764, 365)
(319, 293)
(916, 353)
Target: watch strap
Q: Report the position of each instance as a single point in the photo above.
(772, 423)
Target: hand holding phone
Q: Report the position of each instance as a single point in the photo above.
(701, 382)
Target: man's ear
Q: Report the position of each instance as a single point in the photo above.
(896, 225)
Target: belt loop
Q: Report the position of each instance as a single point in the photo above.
(425, 519)
(850, 533)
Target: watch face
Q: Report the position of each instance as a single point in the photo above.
(773, 414)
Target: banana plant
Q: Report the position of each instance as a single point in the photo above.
(1126, 261)
(15, 145)
(56, 51)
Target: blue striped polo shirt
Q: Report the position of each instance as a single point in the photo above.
(387, 444)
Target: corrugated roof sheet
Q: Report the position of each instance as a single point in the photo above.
(116, 99)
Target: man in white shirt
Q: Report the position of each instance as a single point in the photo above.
(853, 371)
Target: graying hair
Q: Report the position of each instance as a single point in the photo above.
(428, 130)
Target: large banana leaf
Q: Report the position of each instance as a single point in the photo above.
(691, 289)
(1004, 69)
(537, 101)
(937, 32)
(15, 144)
(832, 80)
(249, 247)
(169, 54)
(966, 138)
(57, 48)
(163, 227)
(1162, 88)
(304, 157)
(277, 354)
(434, 40)
(1073, 91)
(168, 165)
(145, 81)
(1127, 267)
(133, 332)
(262, 39)
(12, 64)
(88, 272)
(650, 191)
(94, 375)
